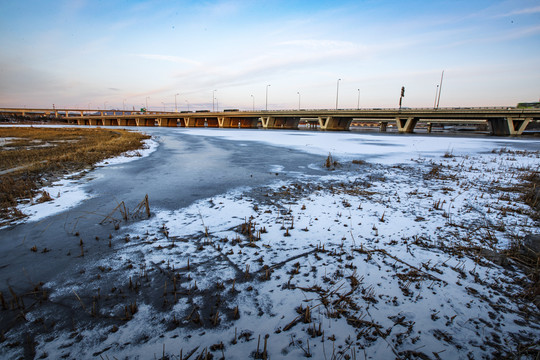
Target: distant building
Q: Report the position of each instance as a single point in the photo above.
(529, 105)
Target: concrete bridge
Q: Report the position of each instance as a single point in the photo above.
(501, 121)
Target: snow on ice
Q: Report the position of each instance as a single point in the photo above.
(406, 256)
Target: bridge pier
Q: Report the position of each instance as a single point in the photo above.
(224, 122)
(93, 122)
(508, 126)
(406, 125)
(188, 122)
(382, 126)
(333, 123)
(267, 122)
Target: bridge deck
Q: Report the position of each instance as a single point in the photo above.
(503, 121)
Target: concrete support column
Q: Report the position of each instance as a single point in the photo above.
(224, 122)
(81, 122)
(508, 126)
(268, 122)
(122, 122)
(498, 127)
(382, 126)
(107, 122)
(324, 121)
(82, 113)
(93, 121)
(406, 125)
(517, 126)
(429, 127)
(335, 123)
(189, 122)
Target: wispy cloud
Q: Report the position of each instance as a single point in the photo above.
(526, 11)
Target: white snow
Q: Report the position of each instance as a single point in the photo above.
(387, 256)
(386, 149)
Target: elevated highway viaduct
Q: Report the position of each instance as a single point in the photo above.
(501, 121)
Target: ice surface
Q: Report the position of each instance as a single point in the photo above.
(387, 256)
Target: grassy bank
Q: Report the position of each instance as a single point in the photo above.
(33, 157)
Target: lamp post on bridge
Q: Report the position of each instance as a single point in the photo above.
(148, 97)
(213, 99)
(440, 88)
(298, 92)
(187, 102)
(175, 105)
(267, 86)
(337, 93)
(436, 93)
(253, 100)
(358, 104)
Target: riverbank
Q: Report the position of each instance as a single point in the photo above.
(31, 158)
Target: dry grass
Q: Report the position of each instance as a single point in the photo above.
(32, 157)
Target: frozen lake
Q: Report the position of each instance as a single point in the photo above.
(239, 219)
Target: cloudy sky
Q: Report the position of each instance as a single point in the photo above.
(96, 53)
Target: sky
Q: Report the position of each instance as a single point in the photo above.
(275, 54)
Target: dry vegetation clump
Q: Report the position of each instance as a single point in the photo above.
(35, 156)
(531, 191)
(330, 163)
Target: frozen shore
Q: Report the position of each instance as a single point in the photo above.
(404, 253)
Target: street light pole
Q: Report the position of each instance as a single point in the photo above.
(337, 93)
(147, 102)
(253, 99)
(298, 92)
(187, 102)
(267, 97)
(175, 105)
(440, 88)
(358, 104)
(213, 99)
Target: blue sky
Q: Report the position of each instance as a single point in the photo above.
(93, 53)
